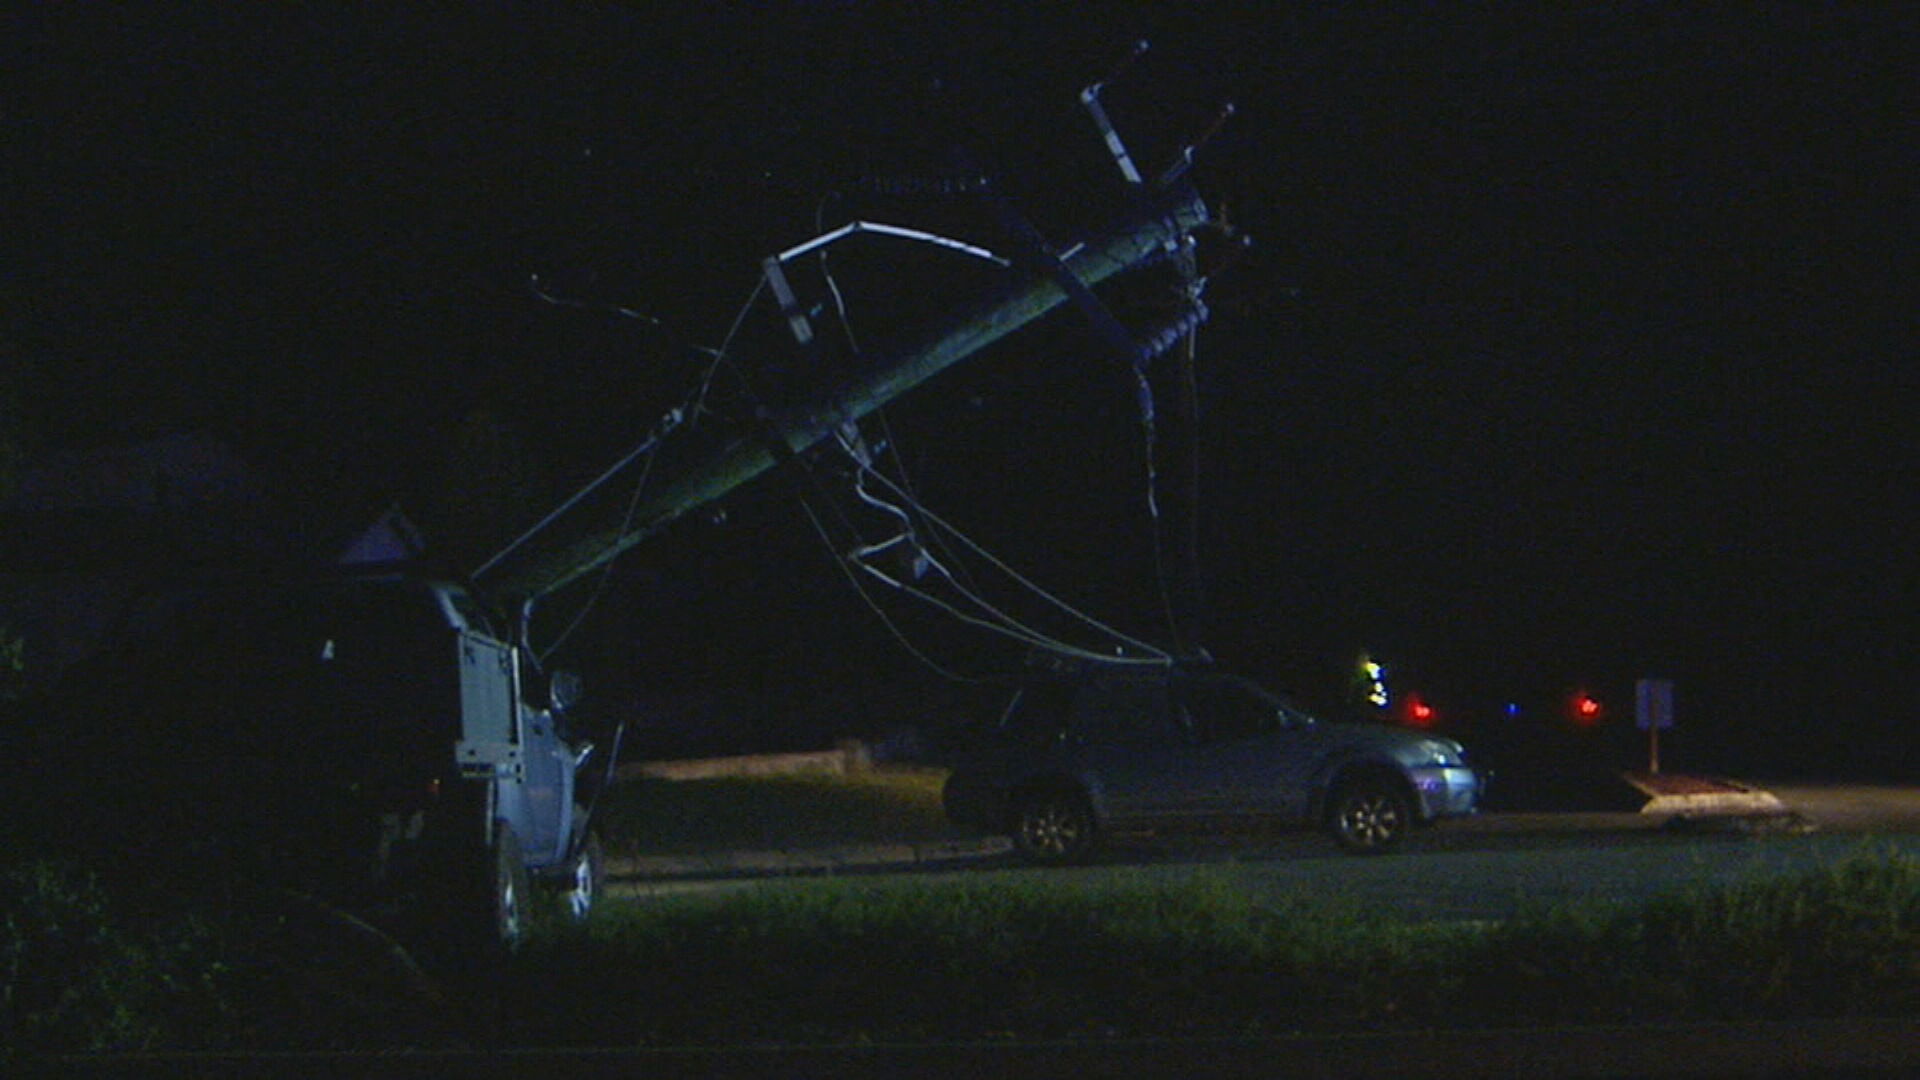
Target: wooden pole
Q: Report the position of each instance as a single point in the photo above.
(1134, 241)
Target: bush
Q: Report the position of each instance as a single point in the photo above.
(93, 964)
(74, 975)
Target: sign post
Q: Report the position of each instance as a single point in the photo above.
(1653, 710)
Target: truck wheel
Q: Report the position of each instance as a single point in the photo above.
(1053, 826)
(1369, 815)
(510, 890)
(581, 890)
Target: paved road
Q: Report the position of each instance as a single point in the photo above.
(1853, 807)
(1486, 868)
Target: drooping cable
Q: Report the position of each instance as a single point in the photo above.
(689, 412)
(667, 424)
(995, 620)
(694, 408)
(606, 570)
(900, 232)
(723, 354)
(891, 446)
(889, 443)
(879, 612)
(541, 291)
(1009, 629)
(826, 273)
(865, 467)
(1022, 580)
(1182, 327)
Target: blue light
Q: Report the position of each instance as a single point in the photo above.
(1513, 708)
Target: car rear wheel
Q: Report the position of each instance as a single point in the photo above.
(1053, 826)
(1369, 816)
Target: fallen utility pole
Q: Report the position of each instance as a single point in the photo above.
(1152, 230)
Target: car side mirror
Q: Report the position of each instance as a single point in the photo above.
(564, 690)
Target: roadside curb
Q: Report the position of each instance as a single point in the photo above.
(804, 861)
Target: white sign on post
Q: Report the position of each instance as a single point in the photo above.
(1653, 710)
(1653, 704)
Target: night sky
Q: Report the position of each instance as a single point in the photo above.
(1571, 346)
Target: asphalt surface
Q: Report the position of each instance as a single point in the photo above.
(1702, 806)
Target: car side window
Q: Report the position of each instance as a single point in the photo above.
(1127, 712)
(1224, 711)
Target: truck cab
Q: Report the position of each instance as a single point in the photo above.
(515, 744)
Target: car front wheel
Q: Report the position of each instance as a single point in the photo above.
(1369, 816)
(1053, 826)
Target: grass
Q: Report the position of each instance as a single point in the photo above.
(103, 959)
(846, 961)
(1841, 939)
(669, 817)
(88, 967)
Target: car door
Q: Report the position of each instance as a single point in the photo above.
(1125, 739)
(1250, 755)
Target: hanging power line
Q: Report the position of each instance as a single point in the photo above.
(689, 412)
(879, 612)
(999, 620)
(922, 559)
(606, 572)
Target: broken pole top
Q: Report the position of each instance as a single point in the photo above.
(1155, 227)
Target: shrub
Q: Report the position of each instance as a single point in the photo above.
(71, 976)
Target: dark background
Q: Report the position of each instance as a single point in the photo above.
(1572, 346)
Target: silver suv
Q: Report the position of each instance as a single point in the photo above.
(1128, 749)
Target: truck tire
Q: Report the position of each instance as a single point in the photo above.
(510, 891)
(581, 888)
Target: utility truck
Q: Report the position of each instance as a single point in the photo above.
(374, 736)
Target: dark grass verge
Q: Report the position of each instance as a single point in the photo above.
(672, 817)
(86, 967)
(846, 963)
